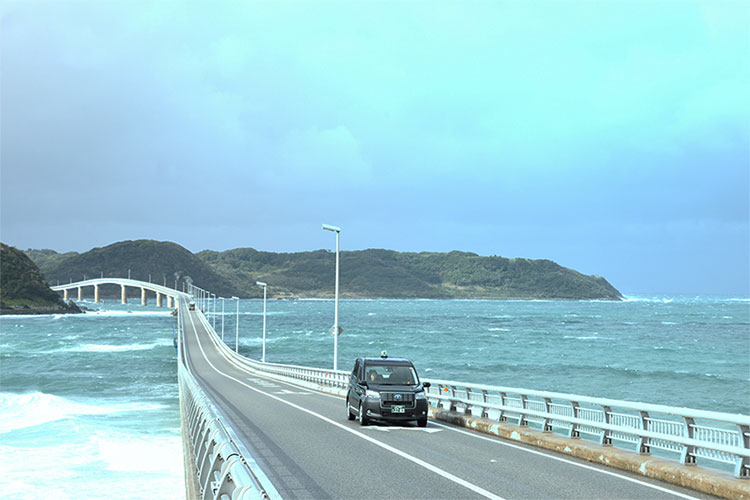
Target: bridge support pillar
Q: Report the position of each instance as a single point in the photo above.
(159, 299)
(65, 295)
(80, 293)
(170, 302)
(96, 293)
(144, 299)
(123, 295)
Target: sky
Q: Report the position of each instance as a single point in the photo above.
(612, 137)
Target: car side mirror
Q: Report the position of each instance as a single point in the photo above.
(363, 383)
(426, 384)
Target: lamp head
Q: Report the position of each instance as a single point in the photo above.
(328, 227)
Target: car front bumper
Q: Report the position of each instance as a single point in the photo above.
(373, 409)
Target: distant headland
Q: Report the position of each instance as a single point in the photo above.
(372, 273)
(23, 289)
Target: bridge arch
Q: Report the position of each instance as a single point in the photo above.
(160, 291)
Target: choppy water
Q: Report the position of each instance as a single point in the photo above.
(88, 403)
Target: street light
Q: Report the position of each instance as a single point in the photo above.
(265, 287)
(336, 330)
(237, 334)
(222, 319)
(214, 314)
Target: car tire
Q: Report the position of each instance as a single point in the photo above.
(422, 422)
(349, 414)
(363, 420)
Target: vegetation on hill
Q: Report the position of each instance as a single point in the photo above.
(23, 288)
(157, 261)
(386, 273)
(366, 273)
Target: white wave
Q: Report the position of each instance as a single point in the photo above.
(658, 300)
(18, 411)
(111, 314)
(668, 323)
(586, 337)
(125, 465)
(499, 329)
(115, 348)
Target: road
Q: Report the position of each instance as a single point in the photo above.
(306, 446)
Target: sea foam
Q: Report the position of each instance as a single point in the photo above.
(19, 411)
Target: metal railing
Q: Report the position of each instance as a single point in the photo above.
(690, 434)
(224, 469)
(687, 434)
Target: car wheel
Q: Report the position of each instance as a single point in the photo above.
(349, 414)
(362, 418)
(422, 422)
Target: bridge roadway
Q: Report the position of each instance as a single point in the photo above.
(308, 449)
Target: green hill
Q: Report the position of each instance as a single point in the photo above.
(390, 274)
(369, 273)
(23, 289)
(162, 260)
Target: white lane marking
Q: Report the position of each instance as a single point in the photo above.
(510, 445)
(560, 459)
(413, 429)
(286, 391)
(263, 382)
(395, 451)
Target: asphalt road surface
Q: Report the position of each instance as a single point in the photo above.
(308, 449)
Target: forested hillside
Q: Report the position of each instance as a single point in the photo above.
(369, 273)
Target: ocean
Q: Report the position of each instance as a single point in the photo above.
(89, 403)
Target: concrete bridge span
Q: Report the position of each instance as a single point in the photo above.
(261, 430)
(160, 291)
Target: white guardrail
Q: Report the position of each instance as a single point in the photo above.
(692, 436)
(224, 468)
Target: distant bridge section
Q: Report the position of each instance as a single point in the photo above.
(160, 291)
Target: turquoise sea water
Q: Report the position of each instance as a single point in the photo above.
(89, 409)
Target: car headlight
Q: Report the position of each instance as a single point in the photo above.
(372, 394)
(421, 395)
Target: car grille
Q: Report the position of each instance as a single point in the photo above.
(397, 398)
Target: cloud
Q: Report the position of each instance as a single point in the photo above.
(328, 155)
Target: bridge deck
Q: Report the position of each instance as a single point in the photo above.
(308, 449)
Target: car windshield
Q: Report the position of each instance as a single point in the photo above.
(387, 374)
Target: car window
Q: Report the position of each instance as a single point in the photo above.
(356, 368)
(387, 374)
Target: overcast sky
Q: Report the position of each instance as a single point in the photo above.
(611, 137)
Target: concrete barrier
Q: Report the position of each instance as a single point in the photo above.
(693, 477)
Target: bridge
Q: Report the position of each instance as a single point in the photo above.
(263, 430)
(160, 291)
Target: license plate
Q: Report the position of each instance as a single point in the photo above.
(397, 409)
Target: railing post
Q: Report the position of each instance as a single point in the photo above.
(605, 438)
(742, 467)
(522, 415)
(642, 443)
(547, 425)
(501, 417)
(573, 431)
(687, 456)
(484, 407)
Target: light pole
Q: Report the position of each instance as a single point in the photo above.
(237, 323)
(336, 331)
(222, 319)
(265, 287)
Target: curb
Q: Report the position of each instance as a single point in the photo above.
(693, 477)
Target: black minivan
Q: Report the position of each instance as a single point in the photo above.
(386, 389)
